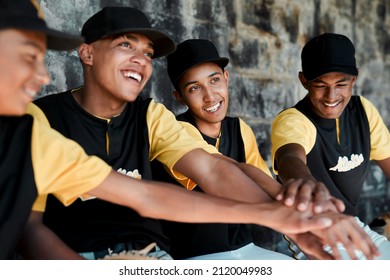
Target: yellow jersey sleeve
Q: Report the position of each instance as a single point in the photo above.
(61, 166)
(252, 153)
(379, 133)
(170, 140)
(291, 126)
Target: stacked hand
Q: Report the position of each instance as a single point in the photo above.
(313, 200)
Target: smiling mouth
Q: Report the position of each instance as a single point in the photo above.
(214, 108)
(133, 75)
(331, 105)
(31, 93)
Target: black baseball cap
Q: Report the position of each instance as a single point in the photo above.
(191, 53)
(27, 15)
(116, 20)
(326, 53)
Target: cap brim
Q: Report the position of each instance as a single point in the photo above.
(57, 40)
(311, 75)
(222, 62)
(162, 43)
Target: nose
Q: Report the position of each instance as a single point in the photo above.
(331, 93)
(42, 74)
(140, 58)
(208, 94)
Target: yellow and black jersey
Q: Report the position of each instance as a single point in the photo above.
(128, 142)
(35, 159)
(237, 141)
(338, 150)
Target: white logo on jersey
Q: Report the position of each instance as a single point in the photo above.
(344, 165)
(134, 174)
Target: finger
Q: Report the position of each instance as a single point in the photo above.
(363, 241)
(331, 241)
(339, 204)
(304, 197)
(283, 190)
(321, 199)
(347, 244)
(290, 192)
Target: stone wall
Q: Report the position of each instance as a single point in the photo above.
(263, 39)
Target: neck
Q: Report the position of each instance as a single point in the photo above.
(210, 129)
(98, 104)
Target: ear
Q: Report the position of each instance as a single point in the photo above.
(356, 77)
(303, 80)
(86, 54)
(177, 95)
(226, 74)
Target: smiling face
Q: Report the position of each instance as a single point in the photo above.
(22, 69)
(204, 89)
(120, 66)
(330, 93)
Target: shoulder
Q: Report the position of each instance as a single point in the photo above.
(37, 114)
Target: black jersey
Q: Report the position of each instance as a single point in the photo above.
(208, 238)
(17, 184)
(124, 144)
(341, 164)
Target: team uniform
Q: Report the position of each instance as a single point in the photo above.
(218, 241)
(344, 146)
(128, 142)
(37, 160)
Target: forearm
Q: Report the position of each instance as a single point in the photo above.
(39, 242)
(267, 184)
(291, 167)
(221, 176)
(169, 202)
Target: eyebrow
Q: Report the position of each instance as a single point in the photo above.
(194, 82)
(34, 45)
(339, 81)
(136, 39)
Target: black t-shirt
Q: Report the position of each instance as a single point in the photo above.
(123, 143)
(194, 239)
(17, 185)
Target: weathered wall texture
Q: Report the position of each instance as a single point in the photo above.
(263, 39)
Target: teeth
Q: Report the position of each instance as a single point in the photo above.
(133, 75)
(31, 93)
(213, 108)
(331, 104)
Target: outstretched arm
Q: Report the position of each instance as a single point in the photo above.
(185, 206)
(165, 201)
(224, 177)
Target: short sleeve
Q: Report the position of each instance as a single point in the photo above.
(379, 133)
(291, 126)
(61, 166)
(170, 140)
(252, 152)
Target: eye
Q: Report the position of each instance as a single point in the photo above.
(318, 86)
(125, 44)
(30, 57)
(149, 54)
(193, 88)
(215, 80)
